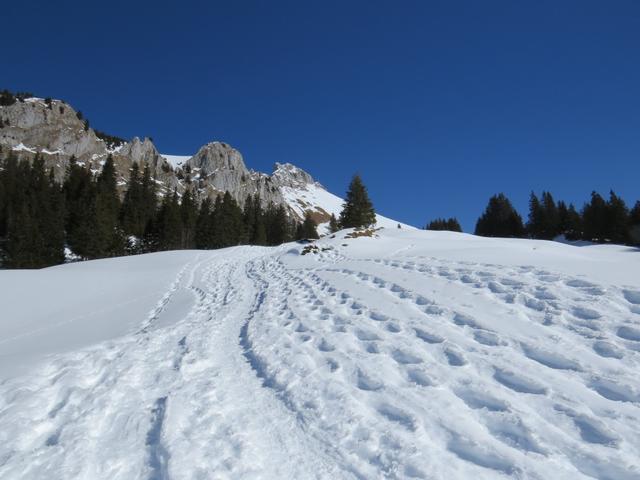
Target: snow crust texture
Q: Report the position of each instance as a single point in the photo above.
(411, 355)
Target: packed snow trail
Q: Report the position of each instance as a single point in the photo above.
(412, 355)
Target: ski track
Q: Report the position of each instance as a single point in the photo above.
(403, 367)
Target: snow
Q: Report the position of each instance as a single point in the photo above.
(412, 354)
(312, 196)
(176, 161)
(22, 147)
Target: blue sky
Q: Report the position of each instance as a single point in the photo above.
(438, 105)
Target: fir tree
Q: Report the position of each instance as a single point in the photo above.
(634, 224)
(308, 228)
(594, 217)
(80, 223)
(357, 211)
(450, 224)
(500, 219)
(109, 239)
(617, 220)
(333, 224)
(570, 222)
(535, 223)
(132, 215)
(169, 223)
(204, 225)
(277, 225)
(188, 215)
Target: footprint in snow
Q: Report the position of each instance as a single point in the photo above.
(455, 358)
(616, 392)
(607, 349)
(586, 313)
(325, 346)
(405, 358)
(428, 337)
(519, 383)
(366, 382)
(393, 327)
(550, 359)
(477, 400)
(629, 333)
(419, 377)
(488, 338)
(632, 296)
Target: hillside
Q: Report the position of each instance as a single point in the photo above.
(409, 355)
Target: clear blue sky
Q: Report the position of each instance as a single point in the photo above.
(438, 104)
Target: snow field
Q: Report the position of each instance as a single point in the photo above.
(411, 355)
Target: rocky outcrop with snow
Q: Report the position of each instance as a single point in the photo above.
(55, 130)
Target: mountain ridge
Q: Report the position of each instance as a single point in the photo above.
(55, 130)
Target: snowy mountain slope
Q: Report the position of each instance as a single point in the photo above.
(412, 355)
(313, 197)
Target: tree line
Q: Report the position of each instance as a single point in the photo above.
(600, 220)
(85, 214)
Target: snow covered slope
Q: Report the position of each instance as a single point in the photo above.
(315, 198)
(411, 355)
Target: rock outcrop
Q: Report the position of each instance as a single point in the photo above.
(55, 130)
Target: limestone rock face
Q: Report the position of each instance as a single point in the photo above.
(55, 130)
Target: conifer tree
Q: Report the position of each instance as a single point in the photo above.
(169, 223)
(80, 223)
(333, 224)
(277, 225)
(570, 222)
(551, 219)
(450, 224)
(357, 211)
(617, 225)
(500, 219)
(132, 215)
(594, 217)
(634, 224)
(188, 215)
(535, 223)
(228, 222)
(204, 225)
(308, 228)
(109, 239)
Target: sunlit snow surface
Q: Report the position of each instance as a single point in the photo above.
(176, 161)
(412, 355)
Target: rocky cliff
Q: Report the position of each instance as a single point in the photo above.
(55, 130)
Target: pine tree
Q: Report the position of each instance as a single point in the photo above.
(357, 211)
(535, 223)
(308, 228)
(333, 224)
(500, 219)
(570, 222)
(228, 222)
(204, 225)
(551, 219)
(277, 225)
(634, 224)
(617, 220)
(169, 223)
(189, 216)
(80, 223)
(109, 239)
(149, 211)
(132, 214)
(35, 234)
(594, 216)
(450, 224)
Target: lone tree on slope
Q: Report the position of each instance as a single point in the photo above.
(357, 210)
